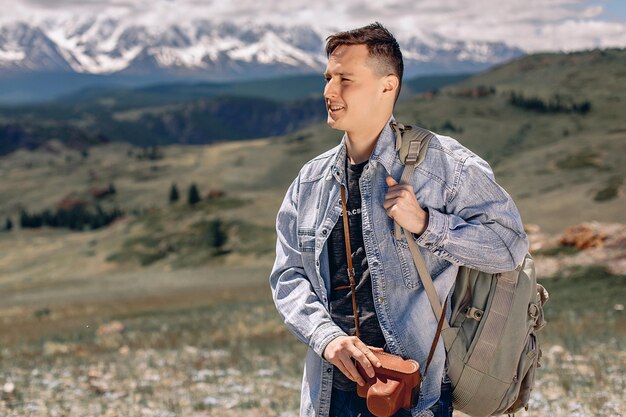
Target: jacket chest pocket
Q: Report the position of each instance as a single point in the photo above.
(306, 245)
(306, 241)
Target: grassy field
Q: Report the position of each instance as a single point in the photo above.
(213, 345)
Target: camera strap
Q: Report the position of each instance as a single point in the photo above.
(352, 286)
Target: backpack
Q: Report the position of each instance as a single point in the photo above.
(492, 349)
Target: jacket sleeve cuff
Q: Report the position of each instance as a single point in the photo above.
(324, 335)
(436, 230)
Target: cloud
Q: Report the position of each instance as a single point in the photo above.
(533, 25)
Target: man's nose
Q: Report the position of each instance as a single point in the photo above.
(331, 90)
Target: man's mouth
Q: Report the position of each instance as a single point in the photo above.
(334, 109)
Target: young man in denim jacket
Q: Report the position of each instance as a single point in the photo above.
(453, 208)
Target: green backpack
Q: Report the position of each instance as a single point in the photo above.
(492, 349)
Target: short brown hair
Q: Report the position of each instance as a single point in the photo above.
(381, 46)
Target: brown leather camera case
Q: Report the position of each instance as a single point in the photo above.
(396, 384)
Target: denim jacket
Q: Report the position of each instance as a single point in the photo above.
(472, 222)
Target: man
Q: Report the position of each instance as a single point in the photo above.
(453, 208)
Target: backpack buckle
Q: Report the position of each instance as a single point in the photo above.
(474, 313)
(413, 153)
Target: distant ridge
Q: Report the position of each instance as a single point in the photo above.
(181, 113)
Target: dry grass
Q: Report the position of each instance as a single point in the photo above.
(220, 349)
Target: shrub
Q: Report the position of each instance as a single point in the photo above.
(174, 196)
(193, 197)
(611, 190)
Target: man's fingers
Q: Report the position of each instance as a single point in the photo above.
(394, 198)
(390, 181)
(400, 191)
(353, 349)
(389, 203)
(368, 352)
(342, 362)
(359, 354)
(371, 358)
(351, 371)
(343, 369)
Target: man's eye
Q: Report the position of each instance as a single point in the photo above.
(345, 79)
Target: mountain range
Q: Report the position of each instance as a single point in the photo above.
(123, 50)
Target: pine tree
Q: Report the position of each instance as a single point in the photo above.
(216, 235)
(193, 196)
(24, 219)
(174, 194)
(48, 218)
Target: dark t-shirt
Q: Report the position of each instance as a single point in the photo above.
(341, 300)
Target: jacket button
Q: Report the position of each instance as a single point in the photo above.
(375, 263)
(380, 300)
(324, 232)
(329, 370)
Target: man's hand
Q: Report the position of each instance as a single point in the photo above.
(340, 351)
(402, 206)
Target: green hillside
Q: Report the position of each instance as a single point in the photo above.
(199, 113)
(192, 121)
(561, 166)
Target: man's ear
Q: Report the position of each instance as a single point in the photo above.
(390, 83)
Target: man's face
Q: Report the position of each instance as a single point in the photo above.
(353, 91)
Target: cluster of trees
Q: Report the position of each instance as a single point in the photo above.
(193, 195)
(555, 104)
(451, 127)
(476, 91)
(77, 217)
(150, 153)
(446, 126)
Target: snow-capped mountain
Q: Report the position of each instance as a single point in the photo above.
(208, 49)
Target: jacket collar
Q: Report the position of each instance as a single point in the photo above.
(385, 151)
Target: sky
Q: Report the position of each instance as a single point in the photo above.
(532, 25)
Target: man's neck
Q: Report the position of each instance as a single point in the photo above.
(360, 145)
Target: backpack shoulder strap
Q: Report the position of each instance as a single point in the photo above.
(411, 142)
(411, 145)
